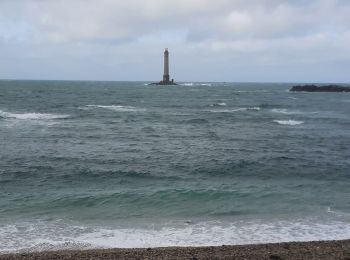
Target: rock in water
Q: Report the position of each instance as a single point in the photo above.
(326, 88)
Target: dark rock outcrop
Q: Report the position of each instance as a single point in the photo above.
(325, 88)
(163, 83)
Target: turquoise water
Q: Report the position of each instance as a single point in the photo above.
(123, 164)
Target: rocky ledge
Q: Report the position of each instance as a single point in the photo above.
(162, 83)
(324, 88)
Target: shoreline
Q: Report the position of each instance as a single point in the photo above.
(333, 249)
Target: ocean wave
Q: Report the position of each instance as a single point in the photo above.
(196, 121)
(190, 84)
(31, 116)
(43, 236)
(161, 198)
(253, 108)
(132, 176)
(220, 104)
(290, 112)
(288, 122)
(117, 108)
(235, 110)
(283, 111)
(187, 84)
(250, 91)
(267, 106)
(337, 212)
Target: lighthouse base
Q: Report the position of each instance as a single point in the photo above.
(164, 83)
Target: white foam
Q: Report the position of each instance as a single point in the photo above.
(254, 108)
(337, 213)
(221, 104)
(117, 108)
(187, 84)
(41, 236)
(235, 110)
(31, 116)
(288, 122)
(190, 84)
(283, 111)
(290, 112)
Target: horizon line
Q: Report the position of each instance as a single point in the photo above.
(183, 81)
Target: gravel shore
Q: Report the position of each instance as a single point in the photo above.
(293, 250)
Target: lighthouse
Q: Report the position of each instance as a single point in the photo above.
(166, 77)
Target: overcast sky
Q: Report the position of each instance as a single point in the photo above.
(208, 40)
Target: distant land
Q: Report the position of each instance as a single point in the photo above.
(326, 88)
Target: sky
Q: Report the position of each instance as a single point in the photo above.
(208, 40)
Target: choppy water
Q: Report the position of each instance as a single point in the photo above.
(123, 164)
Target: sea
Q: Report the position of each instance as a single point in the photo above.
(88, 164)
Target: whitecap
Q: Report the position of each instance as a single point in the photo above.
(235, 110)
(290, 112)
(254, 108)
(31, 116)
(190, 84)
(283, 111)
(247, 109)
(220, 111)
(221, 104)
(117, 108)
(288, 122)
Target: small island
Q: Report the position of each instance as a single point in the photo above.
(324, 88)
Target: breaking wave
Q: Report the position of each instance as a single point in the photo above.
(236, 110)
(190, 84)
(221, 104)
(31, 237)
(116, 108)
(288, 122)
(290, 112)
(31, 116)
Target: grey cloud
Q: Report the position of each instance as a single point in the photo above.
(204, 34)
(60, 21)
